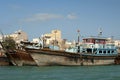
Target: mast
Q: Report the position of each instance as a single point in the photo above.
(78, 36)
(2, 40)
(78, 41)
(100, 32)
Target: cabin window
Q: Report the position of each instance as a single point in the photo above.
(104, 52)
(87, 40)
(96, 41)
(108, 51)
(112, 51)
(100, 51)
(83, 50)
(89, 50)
(94, 50)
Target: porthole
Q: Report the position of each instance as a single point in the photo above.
(100, 51)
(112, 51)
(104, 52)
(108, 51)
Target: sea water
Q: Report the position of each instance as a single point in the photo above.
(111, 72)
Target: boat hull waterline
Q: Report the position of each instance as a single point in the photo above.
(48, 57)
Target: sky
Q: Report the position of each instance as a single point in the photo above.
(37, 17)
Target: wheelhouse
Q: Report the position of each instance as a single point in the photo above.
(95, 40)
(97, 46)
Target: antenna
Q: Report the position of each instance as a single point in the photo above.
(100, 32)
(78, 35)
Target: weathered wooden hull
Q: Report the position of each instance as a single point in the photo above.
(99, 60)
(20, 58)
(48, 57)
(42, 59)
(117, 59)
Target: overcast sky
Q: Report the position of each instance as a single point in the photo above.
(37, 17)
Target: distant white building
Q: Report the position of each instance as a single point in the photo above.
(0, 38)
(54, 35)
(36, 40)
(18, 36)
(117, 43)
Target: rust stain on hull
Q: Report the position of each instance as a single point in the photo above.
(20, 58)
(117, 59)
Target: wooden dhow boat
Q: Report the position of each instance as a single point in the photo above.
(93, 51)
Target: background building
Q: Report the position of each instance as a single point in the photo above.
(52, 38)
(18, 36)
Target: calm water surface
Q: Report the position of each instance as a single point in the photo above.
(60, 73)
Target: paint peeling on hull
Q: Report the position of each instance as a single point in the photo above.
(48, 57)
